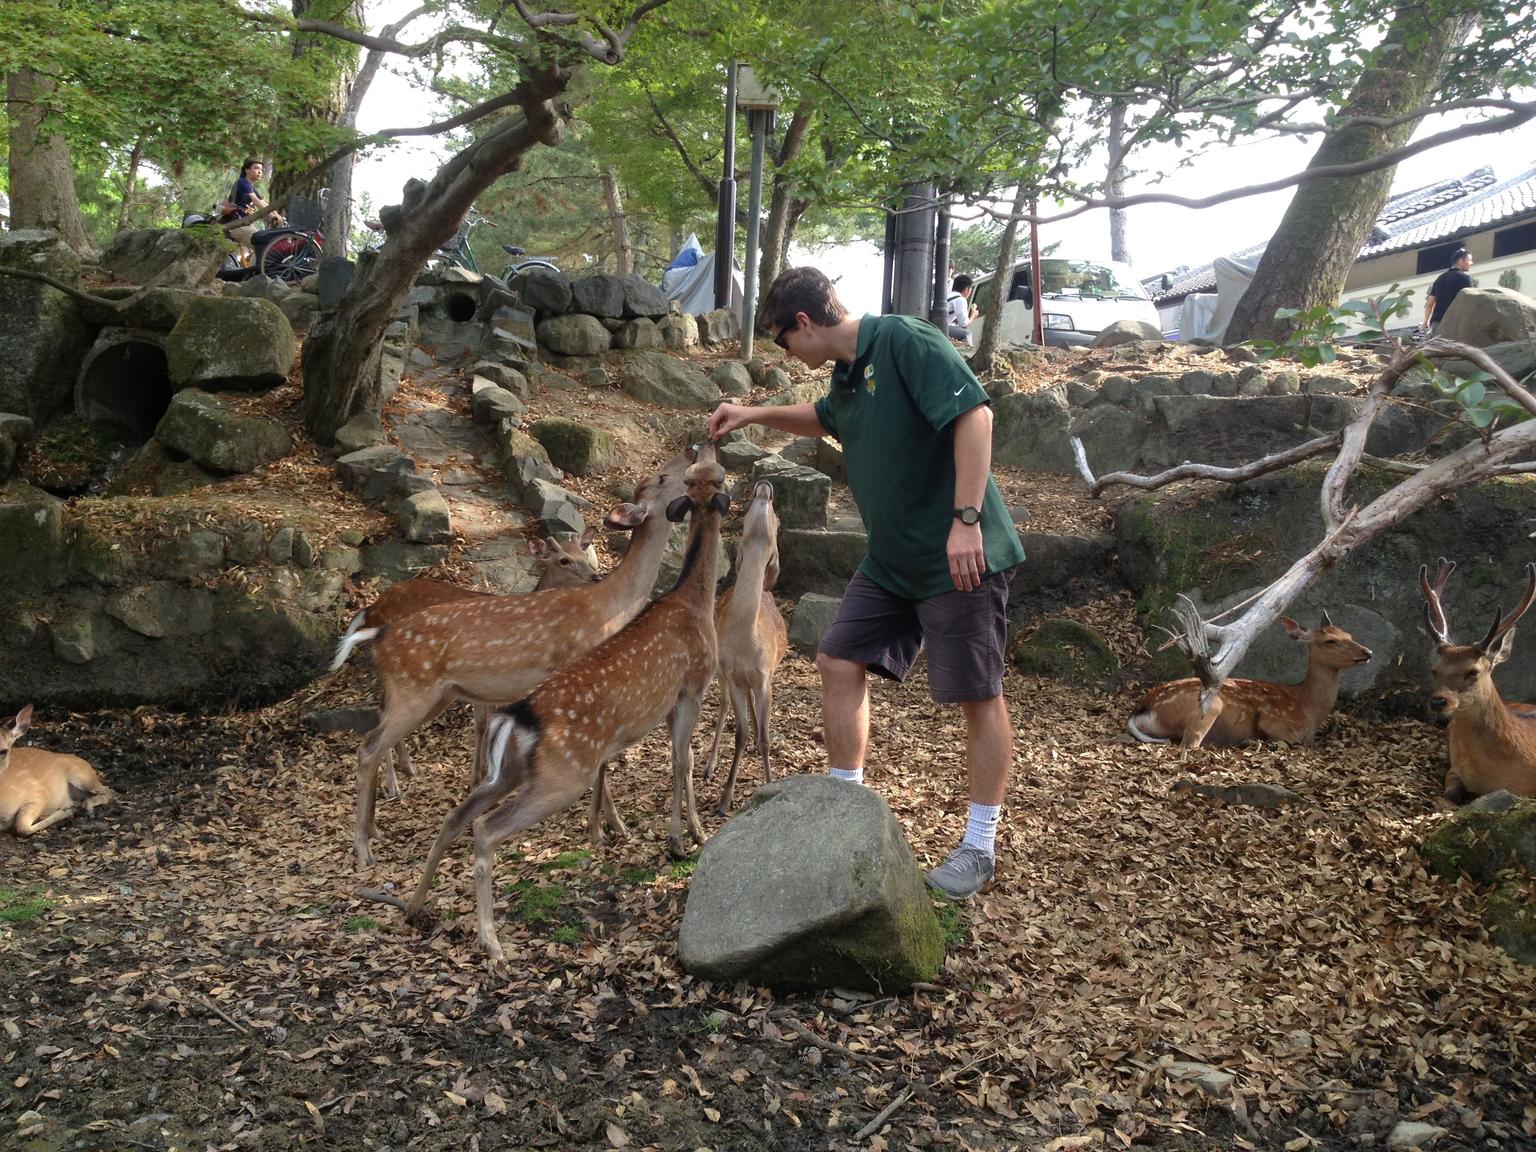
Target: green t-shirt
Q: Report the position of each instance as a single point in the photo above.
(893, 409)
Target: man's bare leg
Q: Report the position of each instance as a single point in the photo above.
(988, 749)
(844, 712)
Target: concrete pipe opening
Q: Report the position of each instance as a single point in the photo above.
(460, 307)
(124, 382)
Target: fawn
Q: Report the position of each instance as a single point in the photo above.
(38, 788)
(561, 564)
(1492, 743)
(751, 638)
(545, 750)
(491, 649)
(1249, 710)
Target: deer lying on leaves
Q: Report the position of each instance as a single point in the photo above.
(1249, 710)
(1492, 743)
(39, 788)
(561, 564)
(545, 750)
(492, 649)
(751, 638)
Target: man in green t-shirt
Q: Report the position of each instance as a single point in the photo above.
(916, 431)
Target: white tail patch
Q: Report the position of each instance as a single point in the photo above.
(1144, 737)
(501, 732)
(355, 634)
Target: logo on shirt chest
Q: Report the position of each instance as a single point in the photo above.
(869, 379)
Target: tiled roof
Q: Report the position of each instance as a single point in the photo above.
(1435, 212)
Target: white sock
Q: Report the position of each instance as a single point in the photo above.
(854, 774)
(981, 826)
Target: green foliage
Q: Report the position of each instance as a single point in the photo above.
(566, 934)
(537, 903)
(682, 869)
(20, 907)
(567, 860)
(954, 920)
(637, 875)
(358, 924)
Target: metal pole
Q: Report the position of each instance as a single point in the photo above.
(938, 315)
(725, 223)
(914, 251)
(757, 122)
(888, 266)
(1037, 326)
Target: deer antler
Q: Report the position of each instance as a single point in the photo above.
(1504, 624)
(1434, 614)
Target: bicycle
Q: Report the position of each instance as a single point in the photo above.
(287, 253)
(457, 253)
(514, 266)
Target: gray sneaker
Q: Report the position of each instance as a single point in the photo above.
(967, 871)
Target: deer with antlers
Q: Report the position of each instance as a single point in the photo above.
(492, 649)
(1492, 743)
(40, 788)
(561, 564)
(1247, 710)
(751, 638)
(544, 751)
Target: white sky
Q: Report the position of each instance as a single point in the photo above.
(1161, 236)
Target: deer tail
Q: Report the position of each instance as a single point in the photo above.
(355, 634)
(1140, 733)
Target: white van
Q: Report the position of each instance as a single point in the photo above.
(1080, 298)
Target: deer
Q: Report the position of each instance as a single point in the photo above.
(1248, 710)
(39, 788)
(492, 649)
(752, 640)
(1492, 743)
(546, 750)
(561, 564)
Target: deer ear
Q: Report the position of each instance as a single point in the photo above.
(1501, 649)
(24, 719)
(586, 538)
(1292, 629)
(625, 517)
(771, 573)
(537, 547)
(722, 503)
(677, 511)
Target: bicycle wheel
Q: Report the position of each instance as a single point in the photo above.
(290, 258)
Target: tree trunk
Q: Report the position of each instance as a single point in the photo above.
(621, 252)
(341, 354)
(775, 240)
(42, 179)
(336, 58)
(1114, 184)
(130, 183)
(982, 357)
(1309, 257)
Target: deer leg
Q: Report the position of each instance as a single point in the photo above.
(544, 795)
(391, 784)
(740, 705)
(611, 815)
(1454, 790)
(28, 824)
(714, 749)
(763, 713)
(1195, 731)
(684, 718)
(393, 727)
(482, 721)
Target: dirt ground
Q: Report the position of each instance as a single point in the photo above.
(191, 968)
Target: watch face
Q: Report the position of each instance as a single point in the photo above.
(968, 515)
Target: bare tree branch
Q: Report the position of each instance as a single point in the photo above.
(1188, 471)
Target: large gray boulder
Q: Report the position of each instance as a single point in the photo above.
(1492, 841)
(1485, 316)
(543, 289)
(216, 436)
(811, 885)
(1029, 431)
(818, 560)
(1126, 332)
(575, 335)
(230, 344)
(166, 257)
(599, 295)
(14, 432)
(658, 378)
(800, 493)
(718, 327)
(642, 298)
(42, 336)
(573, 447)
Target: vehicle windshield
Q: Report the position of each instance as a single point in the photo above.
(1088, 278)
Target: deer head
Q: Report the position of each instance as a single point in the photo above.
(14, 731)
(1464, 672)
(565, 561)
(1331, 646)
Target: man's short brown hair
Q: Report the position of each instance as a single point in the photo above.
(797, 290)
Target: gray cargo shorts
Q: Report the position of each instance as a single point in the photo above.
(963, 632)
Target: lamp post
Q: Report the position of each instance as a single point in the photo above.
(760, 103)
(725, 221)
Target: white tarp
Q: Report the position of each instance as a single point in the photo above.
(692, 285)
(1232, 279)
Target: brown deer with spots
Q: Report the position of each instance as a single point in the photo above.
(752, 640)
(544, 751)
(1492, 743)
(561, 564)
(492, 649)
(1248, 710)
(39, 788)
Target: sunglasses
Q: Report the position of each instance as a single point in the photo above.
(782, 338)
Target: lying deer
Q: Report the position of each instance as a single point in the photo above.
(1492, 743)
(38, 788)
(491, 649)
(751, 638)
(561, 564)
(1248, 710)
(545, 750)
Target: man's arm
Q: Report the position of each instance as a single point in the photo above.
(797, 419)
(1429, 307)
(973, 465)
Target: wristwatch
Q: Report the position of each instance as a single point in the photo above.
(970, 514)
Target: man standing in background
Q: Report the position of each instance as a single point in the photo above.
(1445, 288)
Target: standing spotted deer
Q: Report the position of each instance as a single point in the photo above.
(544, 751)
(492, 649)
(1492, 743)
(39, 788)
(561, 564)
(751, 638)
(1248, 710)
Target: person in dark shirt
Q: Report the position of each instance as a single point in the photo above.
(1445, 288)
(247, 200)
